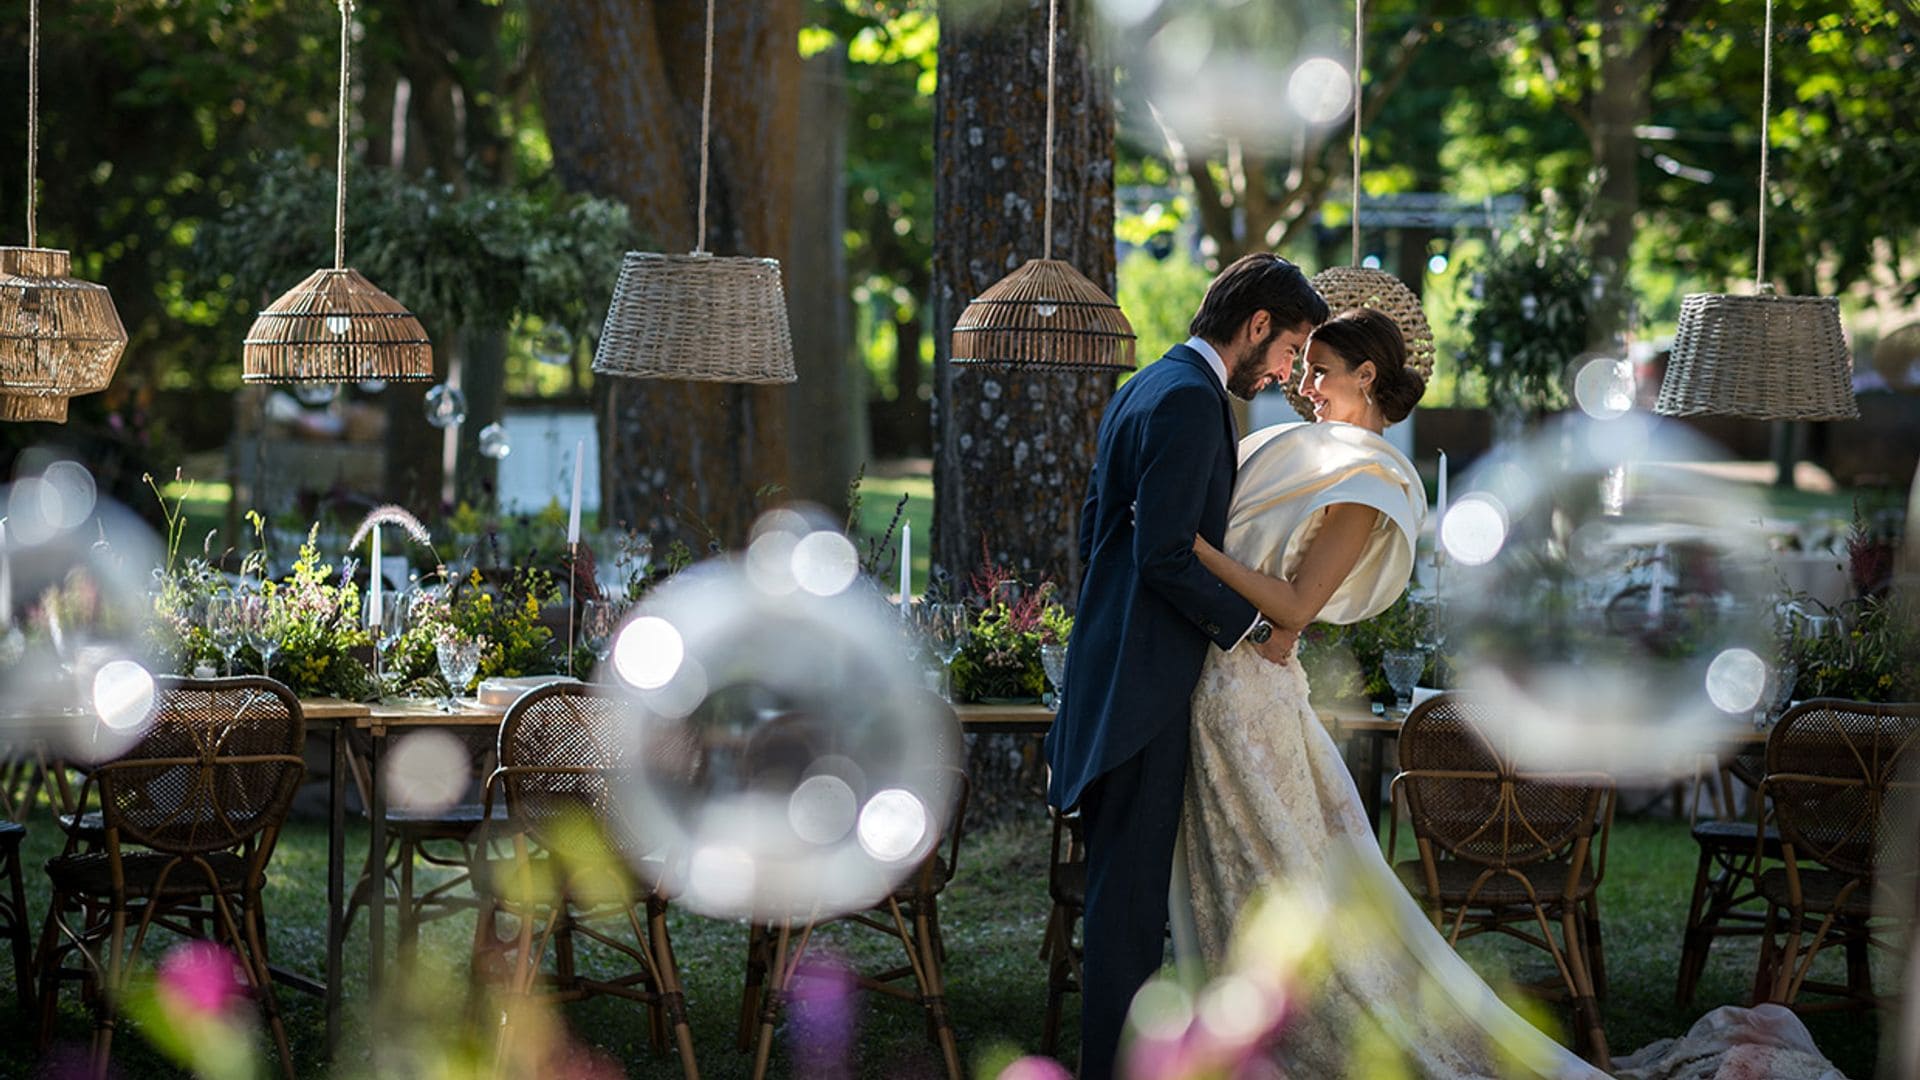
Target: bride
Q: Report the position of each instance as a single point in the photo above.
(1322, 529)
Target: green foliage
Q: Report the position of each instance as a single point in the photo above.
(1863, 651)
(1343, 663)
(1009, 623)
(1160, 297)
(1534, 315)
(317, 621)
(504, 616)
(472, 259)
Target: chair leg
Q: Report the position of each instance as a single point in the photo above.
(46, 962)
(1859, 962)
(22, 947)
(1763, 975)
(1596, 951)
(253, 952)
(667, 977)
(770, 1006)
(1698, 937)
(1586, 1008)
(926, 937)
(757, 944)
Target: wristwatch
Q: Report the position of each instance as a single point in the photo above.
(1262, 630)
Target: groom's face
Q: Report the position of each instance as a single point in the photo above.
(1263, 355)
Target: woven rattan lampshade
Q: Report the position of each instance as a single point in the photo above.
(1045, 314)
(1762, 357)
(707, 318)
(59, 337)
(336, 326)
(1348, 287)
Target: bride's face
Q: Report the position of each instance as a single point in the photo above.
(1338, 390)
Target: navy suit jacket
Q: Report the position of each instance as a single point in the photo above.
(1148, 608)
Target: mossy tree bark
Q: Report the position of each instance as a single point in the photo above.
(620, 82)
(1013, 449)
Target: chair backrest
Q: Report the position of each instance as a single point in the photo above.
(564, 751)
(1841, 775)
(1465, 794)
(219, 765)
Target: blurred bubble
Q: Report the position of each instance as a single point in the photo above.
(825, 563)
(1371, 262)
(446, 406)
(1320, 89)
(1603, 387)
(893, 825)
(1736, 679)
(495, 443)
(123, 694)
(1604, 616)
(1437, 264)
(824, 770)
(428, 771)
(316, 394)
(1474, 529)
(1234, 1008)
(1162, 1009)
(553, 345)
(80, 642)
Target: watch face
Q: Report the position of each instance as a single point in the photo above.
(1261, 633)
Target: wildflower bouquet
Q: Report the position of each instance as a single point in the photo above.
(505, 617)
(1001, 658)
(315, 616)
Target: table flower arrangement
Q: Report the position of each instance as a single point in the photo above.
(505, 615)
(1001, 658)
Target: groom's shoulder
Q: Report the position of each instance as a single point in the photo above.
(1168, 375)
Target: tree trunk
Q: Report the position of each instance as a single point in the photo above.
(829, 445)
(1013, 450)
(1619, 106)
(621, 83)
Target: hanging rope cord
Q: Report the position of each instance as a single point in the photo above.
(1053, 23)
(706, 135)
(33, 117)
(1766, 113)
(340, 179)
(1359, 44)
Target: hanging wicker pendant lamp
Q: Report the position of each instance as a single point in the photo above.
(1345, 288)
(1046, 314)
(60, 337)
(336, 326)
(1763, 357)
(698, 316)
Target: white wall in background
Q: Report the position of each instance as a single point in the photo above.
(540, 468)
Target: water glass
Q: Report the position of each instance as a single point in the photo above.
(1053, 658)
(945, 627)
(599, 622)
(256, 626)
(225, 626)
(459, 663)
(1785, 678)
(1403, 669)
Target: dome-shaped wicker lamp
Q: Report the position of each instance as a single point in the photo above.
(1763, 357)
(60, 337)
(698, 316)
(336, 326)
(1347, 287)
(1046, 314)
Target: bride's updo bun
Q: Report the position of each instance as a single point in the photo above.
(1363, 334)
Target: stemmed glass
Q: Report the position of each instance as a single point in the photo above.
(945, 626)
(1053, 658)
(1786, 677)
(224, 625)
(1403, 669)
(256, 625)
(393, 625)
(599, 620)
(459, 663)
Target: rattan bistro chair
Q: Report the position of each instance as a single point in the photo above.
(191, 815)
(1842, 777)
(1067, 887)
(563, 750)
(1726, 897)
(1506, 851)
(910, 915)
(13, 911)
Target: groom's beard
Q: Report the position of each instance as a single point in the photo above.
(1249, 374)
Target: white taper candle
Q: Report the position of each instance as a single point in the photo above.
(579, 467)
(374, 583)
(906, 566)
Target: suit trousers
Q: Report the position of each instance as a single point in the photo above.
(1130, 818)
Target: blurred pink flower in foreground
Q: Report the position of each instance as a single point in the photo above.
(1035, 1068)
(201, 978)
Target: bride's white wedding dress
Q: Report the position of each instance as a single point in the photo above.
(1269, 799)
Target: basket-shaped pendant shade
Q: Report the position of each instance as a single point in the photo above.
(336, 326)
(59, 337)
(1762, 357)
(1348, 287)
(1045, 315)
(706, 318)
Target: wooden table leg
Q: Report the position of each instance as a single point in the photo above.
(336, 880)
(377, 859)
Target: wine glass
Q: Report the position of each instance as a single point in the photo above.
(1786, 678)
(946, 630)
(599, 620)
(387, 633)
(459, 663)
(256, 624)
(224, 625)
(1053, 658)
(1403, 668)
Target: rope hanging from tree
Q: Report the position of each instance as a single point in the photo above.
(1357, 286)
(1045, 314)
(698, 316)
(336, 326)
(59, 337)
(1762, 356)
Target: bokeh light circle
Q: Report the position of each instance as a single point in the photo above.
(1320, 90)
(825, 772)
(1622, 616)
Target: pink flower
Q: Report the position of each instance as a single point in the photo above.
(200, 977)
(1033, 1067)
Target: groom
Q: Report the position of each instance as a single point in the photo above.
(1118, 748)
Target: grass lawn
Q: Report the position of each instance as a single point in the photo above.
(994, 917)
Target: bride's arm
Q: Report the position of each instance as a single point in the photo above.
(1330, 556)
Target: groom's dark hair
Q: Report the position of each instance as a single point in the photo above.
(1261, 281)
